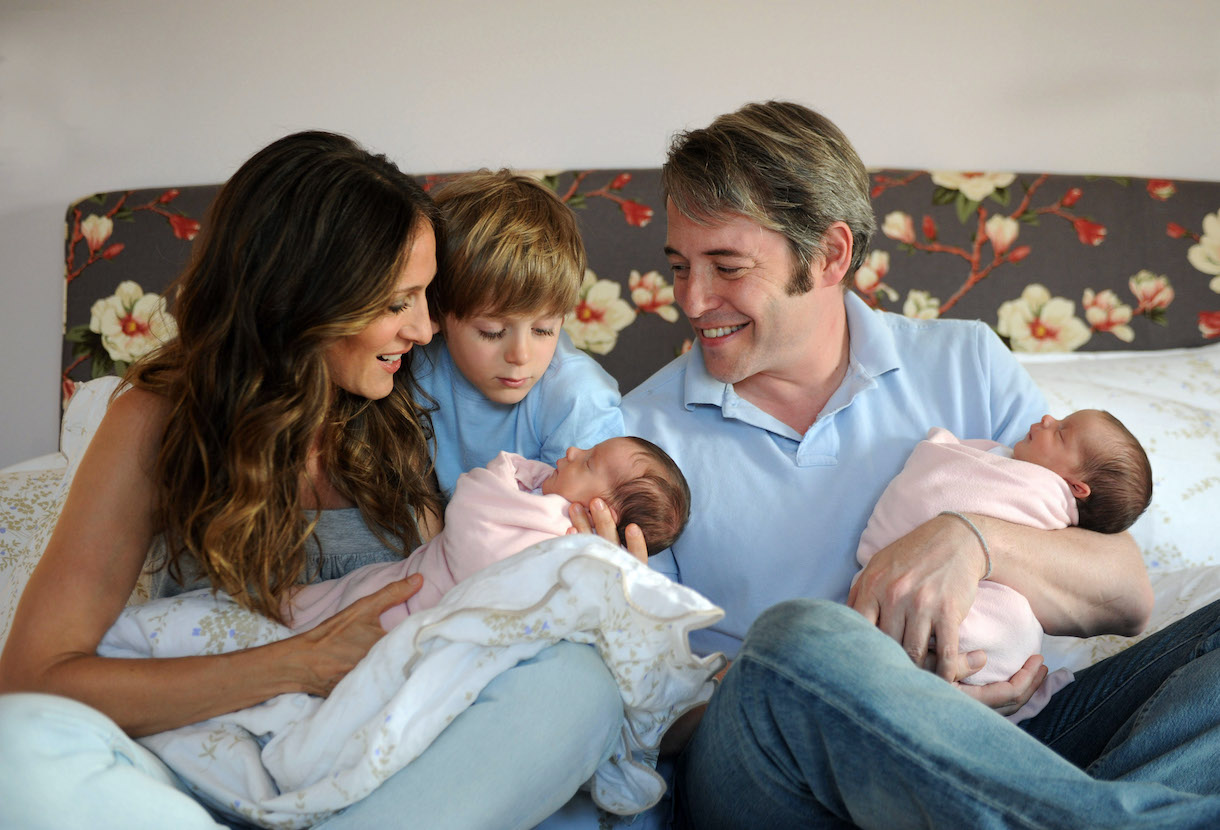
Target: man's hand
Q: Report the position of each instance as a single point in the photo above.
(919, 589)
(1010, 695)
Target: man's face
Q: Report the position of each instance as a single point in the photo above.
(731, 279)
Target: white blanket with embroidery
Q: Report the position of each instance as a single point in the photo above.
(297, 758)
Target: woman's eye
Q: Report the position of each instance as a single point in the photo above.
(401, 306)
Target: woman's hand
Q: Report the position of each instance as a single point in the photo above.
(332, 648)
(602, 523)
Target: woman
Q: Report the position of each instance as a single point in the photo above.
(274, 441)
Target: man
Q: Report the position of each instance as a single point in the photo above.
(796, 407)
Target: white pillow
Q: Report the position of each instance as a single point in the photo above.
(1170, 400)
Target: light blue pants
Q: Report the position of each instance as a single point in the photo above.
(534, 735)
(823, 721)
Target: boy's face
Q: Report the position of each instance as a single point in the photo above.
(502, 356)
(1062, 445)
(582, 475)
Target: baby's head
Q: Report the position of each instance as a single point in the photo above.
(637, 479)
(1101, 461)
(512, 264)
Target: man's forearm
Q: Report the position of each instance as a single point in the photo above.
(1078, 582)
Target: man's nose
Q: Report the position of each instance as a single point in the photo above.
(694, 294)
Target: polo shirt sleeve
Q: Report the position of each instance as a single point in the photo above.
(576, 405)
(1015, 400)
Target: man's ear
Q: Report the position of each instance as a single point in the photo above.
(1079, 489)
(837, 249)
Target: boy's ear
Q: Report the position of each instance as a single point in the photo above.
(1079, 489)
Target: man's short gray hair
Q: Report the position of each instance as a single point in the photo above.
(782, 165)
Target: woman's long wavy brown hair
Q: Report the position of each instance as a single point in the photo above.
(303, 245)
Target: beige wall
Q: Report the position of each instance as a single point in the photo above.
(102, 95)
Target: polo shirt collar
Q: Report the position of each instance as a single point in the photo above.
(871, 341)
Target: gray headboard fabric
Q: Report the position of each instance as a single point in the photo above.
(1052, 262)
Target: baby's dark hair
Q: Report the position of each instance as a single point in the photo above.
(1119, 476)
(658, 501)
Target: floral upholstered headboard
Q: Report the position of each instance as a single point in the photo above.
(1055, 263)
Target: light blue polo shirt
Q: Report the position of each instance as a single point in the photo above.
(574, 404)
(776, 514)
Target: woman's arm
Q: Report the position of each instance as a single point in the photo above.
(87, 572)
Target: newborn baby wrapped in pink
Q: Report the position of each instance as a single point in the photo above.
(979, 476)
(495, 512)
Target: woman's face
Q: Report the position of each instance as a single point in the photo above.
(364, 363)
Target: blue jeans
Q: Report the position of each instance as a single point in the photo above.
(533, 736)
(823, 721)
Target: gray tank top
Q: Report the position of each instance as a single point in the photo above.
(346, 542)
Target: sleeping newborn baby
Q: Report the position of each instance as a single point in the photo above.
(505, 507)
(1086, 470)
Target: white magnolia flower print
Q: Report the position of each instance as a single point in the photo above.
(131, 322)
(1152, 291)
(651, 292)
(974, 186)
(1002, 231)
(538, 175)
(1038, 322)
(1205, 254)
(599, 316)
(872, 271)
(899, 226)
(1105, 312)
(921, 305)
(96, 230)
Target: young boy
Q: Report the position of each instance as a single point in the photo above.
(505, 507)
(503, 375)
(1086, 469)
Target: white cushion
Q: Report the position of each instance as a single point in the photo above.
(1170, 400)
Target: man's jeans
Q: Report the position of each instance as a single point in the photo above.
(823, 721)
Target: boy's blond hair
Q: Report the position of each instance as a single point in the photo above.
(511, 248)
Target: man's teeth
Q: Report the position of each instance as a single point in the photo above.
(722, 331)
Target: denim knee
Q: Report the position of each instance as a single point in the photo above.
(807, 637)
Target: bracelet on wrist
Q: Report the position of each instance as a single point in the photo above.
(978, 533)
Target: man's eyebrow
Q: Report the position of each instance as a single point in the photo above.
(714, 252)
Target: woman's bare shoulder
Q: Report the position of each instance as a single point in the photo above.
(139, 409)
